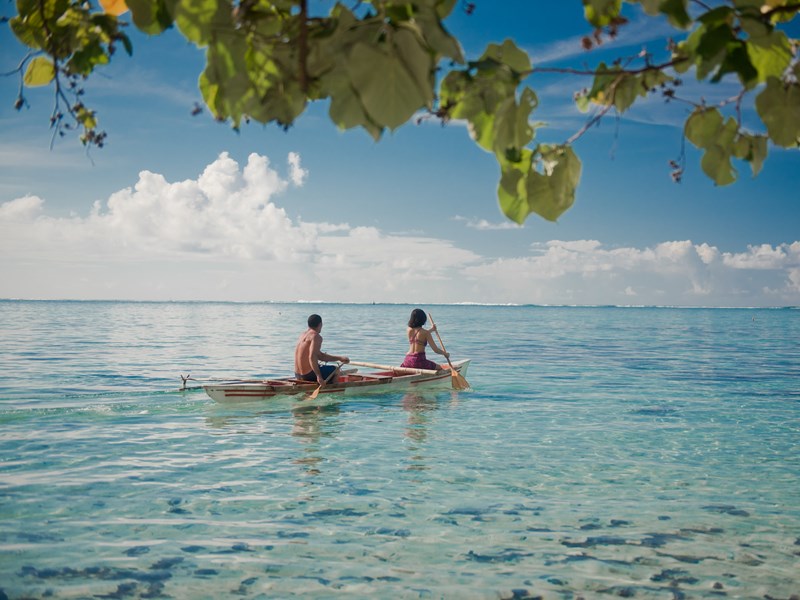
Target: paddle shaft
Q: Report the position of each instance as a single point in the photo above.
(327, 379)
(442, 343)
(459, 382)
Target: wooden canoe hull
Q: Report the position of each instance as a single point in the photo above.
(356, 383)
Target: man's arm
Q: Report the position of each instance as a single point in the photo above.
(316, 354)
(329, 357)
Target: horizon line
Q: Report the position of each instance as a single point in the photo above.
(385, 303)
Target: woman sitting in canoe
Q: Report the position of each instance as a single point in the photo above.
(418, 338)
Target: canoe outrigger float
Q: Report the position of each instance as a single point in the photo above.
(384, 378)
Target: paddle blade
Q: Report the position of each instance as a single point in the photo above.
(459, 382)
(330, 377)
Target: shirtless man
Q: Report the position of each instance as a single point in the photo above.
(308, 353)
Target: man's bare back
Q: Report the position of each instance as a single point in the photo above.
(308, 353)
(302, 352)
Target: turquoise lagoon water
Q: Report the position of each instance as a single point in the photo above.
(603, 452)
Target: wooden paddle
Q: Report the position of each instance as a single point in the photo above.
(315, 393)
(459, 382)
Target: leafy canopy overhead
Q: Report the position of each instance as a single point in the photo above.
(382, 62)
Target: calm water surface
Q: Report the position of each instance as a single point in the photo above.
(603, 452)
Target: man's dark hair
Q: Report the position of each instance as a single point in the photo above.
(314, 321)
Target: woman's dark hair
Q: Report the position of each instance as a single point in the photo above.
(418, 318)
(314, 321)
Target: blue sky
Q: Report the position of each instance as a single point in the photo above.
(170, 209)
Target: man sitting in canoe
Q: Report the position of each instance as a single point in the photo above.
(308, 353)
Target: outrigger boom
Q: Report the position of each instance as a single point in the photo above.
(406, 370)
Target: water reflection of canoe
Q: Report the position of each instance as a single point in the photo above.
(382, 378)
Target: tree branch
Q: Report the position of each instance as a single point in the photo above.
(788, 8)
(596, 118)
(21, 64)
(701, 4)
(570, 71)
(303, 45)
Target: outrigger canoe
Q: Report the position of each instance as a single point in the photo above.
(384, 378)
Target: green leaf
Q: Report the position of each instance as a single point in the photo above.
(417, 61)
(40, 71)
(481, 129)
(397, 13)
(754, 26)
(444, 7)
(770, 54)
(737, 61)
(202, 20)
(280, 104)
(706, 129)
(602, 88)
(601, 12)
(428, 18)
(224, 83)
(386, 88)
(677, 13)
(151, 16)
(457, 92)
(684, 54)
(614, 86)
(510, 55)
(511, 129)
(702, 126)
(712, 47)
(717, 16)
(651, 7)
(87, 58)
(126, 42)
(29, 30)
(721, 140)
(753, 149)
(625, 92)
(758, 153)
(549, 193)
(347, 111)
(778, 105)
(714, 38)
(552, 192)
(716, 163)
(274, 92)
(512, 193)
(329, 47)
(653, 79)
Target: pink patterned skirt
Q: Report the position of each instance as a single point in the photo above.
(417, 360)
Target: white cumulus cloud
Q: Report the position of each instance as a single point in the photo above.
(160, 238)
(484, 225)
(297, 173)
(673, 272)
(21, 209)
(224, 236)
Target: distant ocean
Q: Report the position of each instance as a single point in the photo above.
(602, 452)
